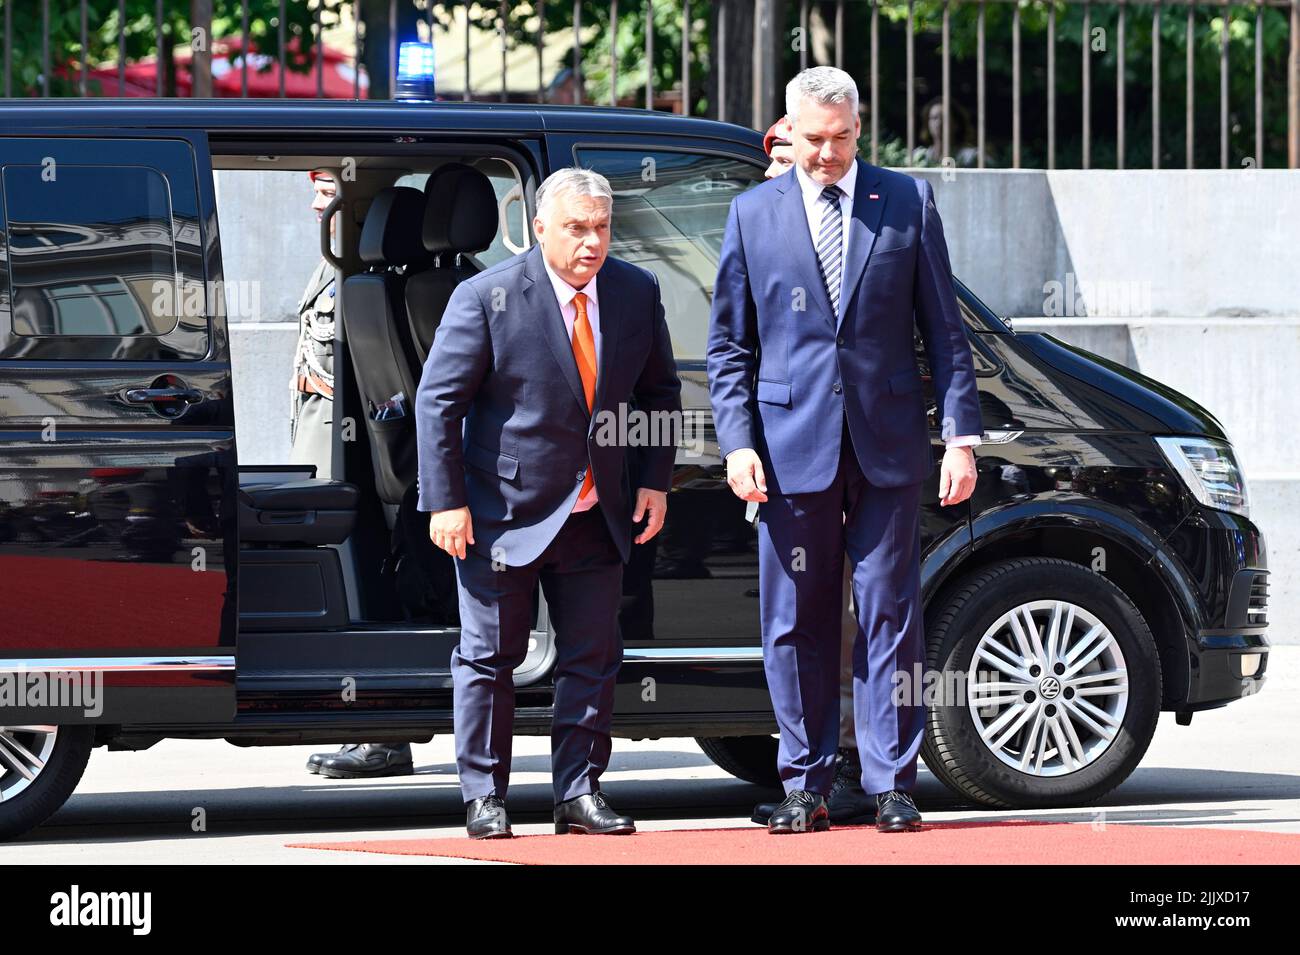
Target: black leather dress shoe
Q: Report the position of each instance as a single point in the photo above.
(369, 759)
(896, 812)
(315, 759)
(802, 811)
(849, 804)
(591, 814)
(485, 818)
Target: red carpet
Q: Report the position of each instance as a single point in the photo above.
(1009, 842)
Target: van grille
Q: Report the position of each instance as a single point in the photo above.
(1257, 605)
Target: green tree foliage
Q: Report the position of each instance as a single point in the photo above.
(142, 31)
(630, 41)
(1101, 49)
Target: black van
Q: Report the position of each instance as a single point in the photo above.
(1104, 570)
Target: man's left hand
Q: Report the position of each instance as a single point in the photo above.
(956, 475)
(654, 503)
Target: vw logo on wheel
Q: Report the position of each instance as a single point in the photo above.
(1074, 663)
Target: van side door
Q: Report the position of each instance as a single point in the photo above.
(118, 477)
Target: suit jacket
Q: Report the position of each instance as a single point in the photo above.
(501, 420)
(784, 371)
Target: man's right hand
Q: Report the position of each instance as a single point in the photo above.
(745, 475)
(451, 530)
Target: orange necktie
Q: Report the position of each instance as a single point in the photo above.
(584, 352)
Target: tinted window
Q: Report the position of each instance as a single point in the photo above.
(91, 251)
(670, 214)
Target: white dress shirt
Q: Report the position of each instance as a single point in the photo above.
(813, 205)
(564, 293)
(811, 190)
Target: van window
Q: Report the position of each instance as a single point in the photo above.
(91, 251)
(670, 215)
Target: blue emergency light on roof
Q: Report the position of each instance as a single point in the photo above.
(414, 71)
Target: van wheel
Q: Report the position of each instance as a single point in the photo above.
(1057, 685)
(39, 768)
(751, 758)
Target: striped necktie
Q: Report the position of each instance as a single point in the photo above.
(829, 245)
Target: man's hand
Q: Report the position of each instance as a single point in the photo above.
(957, 475)
(745, 475)
(451, 530)
(656, 504)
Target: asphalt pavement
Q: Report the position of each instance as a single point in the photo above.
(209, 802)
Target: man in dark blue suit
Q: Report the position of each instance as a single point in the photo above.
(825, 272)
(535, 361)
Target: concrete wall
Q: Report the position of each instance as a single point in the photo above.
(262, 357)
(1173, 243)
(1190, 277)
(269, 235)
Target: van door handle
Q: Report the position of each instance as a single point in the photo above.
(1001, 437)
(146, 396)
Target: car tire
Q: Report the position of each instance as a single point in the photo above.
(1080, 765)
(751, 758)
(40, 797)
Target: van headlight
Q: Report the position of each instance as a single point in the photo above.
(1209, 470)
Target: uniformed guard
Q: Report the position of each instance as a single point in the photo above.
(312, 384)
(311, 432)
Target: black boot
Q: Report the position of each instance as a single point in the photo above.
(849, 803)
(315, 759)
(370, 759)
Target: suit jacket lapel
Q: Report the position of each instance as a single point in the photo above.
(540, 297)
(792, 220)
(864, 225)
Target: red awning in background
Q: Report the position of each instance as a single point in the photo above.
(227, 75)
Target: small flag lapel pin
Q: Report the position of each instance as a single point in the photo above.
(874, 196)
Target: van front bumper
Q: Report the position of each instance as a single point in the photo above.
(1223, 563)
(1221, 674)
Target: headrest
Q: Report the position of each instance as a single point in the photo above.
(391, 232)
(460, 214)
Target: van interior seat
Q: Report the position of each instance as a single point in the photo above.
(311, 511)
(379, 334)
(460, 218)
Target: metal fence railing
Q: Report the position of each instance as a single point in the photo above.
(700, 33)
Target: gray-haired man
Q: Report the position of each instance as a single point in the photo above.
(525, 486)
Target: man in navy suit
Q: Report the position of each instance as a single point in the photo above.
(526, 481)
(824, 273)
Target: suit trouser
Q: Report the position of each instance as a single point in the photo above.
(581, 573)
(802, 542)
(848, 636)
